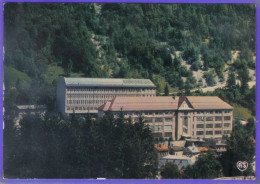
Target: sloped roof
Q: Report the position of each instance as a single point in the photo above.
(208, 102)
(142, 103)
(108, 82)
(163, 103)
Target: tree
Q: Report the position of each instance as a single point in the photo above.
(209, 79)
(240, 147)
(170, 171)
(231, 82)
(207, 167)
(166, 90)
(251, 127)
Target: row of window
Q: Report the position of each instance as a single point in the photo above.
(211, 112)
(166, 134)
(88, 102)
(159, 127)
(147, 113)
(110, 89)
(81, 108)
(217, 132)
(217, 125)
(101, 96)
(217, 118)
(156, 120)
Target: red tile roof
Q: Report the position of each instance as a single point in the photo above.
(141, 103)
(163, 103)
(208, 102)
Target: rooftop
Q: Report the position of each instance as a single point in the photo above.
(176, 157)
(208, 102)
(141, 103)
(163, 103)
(22, 107)
(108, 82)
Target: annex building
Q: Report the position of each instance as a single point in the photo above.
(85, 95)
(191, 116)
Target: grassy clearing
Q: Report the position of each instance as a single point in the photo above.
(241, 113)
(52, 73)
(11, 76)
(162, 83)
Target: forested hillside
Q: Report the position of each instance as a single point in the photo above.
(178, 46)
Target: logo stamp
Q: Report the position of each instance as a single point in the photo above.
(242, 166)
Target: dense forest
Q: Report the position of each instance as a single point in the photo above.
(45, 41)
(51, 147)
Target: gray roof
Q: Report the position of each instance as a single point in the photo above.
(22, 107)
(108, 82)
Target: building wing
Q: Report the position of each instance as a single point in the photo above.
(108, 82)
(207, 103)
(140, 103)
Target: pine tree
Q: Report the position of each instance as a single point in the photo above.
(166, 90)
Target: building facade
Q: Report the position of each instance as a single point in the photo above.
(85, 95)
(191, 116)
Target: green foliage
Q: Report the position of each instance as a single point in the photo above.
(209, 78)
(170, 171)
(51, 147)
(207, 167)
(123, 40)
(166, 90)
(231, 81)
(240, 148)
(11, 76)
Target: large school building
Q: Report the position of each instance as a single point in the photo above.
(191, 116)
(85, 95)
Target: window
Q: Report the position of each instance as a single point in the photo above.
(209, 132)
(167, 127)
(209, 118)
(227, 111)
(168, 112)
(157, 134)
(200, 126)
(218, 125)
(218, 112)
(226, 118)
(199, 112)
(148, 113)
(226, 131)
(158, 127)
(168, 119)
(199, 132)
(218, 118)
(209, 125)
(149, 120)
(168, 134)
(226, 125)
(68, 108)
(200, 118)
(209, 112)
(186, 113)
(218, 132)
(158, 119)
(185, 130)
